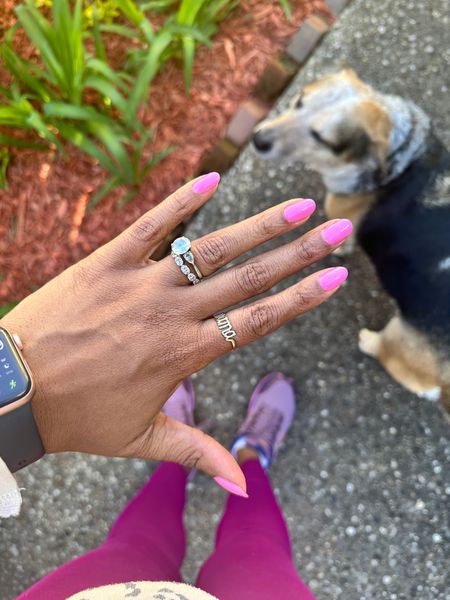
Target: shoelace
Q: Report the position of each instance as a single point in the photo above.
(266, 421)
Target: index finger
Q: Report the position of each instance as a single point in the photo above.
(142, 238)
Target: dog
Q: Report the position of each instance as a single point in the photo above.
(384, 169)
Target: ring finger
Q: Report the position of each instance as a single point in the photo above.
(258, 319)
(217, 249)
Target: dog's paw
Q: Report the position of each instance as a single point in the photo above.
(369, 342)
(433, 394)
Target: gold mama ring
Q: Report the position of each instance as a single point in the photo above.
(226, 328)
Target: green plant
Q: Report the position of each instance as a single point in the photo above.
(49, 99)
(4, 310)
(195, 21)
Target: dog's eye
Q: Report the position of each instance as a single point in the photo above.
(299, 102)
(336, 149)
(316, 136)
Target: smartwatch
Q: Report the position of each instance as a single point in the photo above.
(20, 443)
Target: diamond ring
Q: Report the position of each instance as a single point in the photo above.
(182, 254)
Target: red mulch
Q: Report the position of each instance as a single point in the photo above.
(43, 225)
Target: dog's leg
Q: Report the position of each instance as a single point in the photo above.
(370, 342)
(352, 207)
(406, 355)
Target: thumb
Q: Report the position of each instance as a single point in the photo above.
(171, 440)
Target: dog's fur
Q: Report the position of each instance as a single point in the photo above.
(385, 170)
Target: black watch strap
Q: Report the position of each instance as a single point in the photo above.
(20, 442)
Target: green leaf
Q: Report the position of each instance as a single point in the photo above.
(188, 56)
(100, 51)
(4, 310)
(40, 33)
(107, 91)
(25, 72)
(102, 68)
(188, 11)
(148, 72)
(62, 110)
(19, 143)
(131, 11)
(106, 188)
(116, 150)
(286, 5)
(80, 139)
(5, 157)
(119, 30)
(158, 5)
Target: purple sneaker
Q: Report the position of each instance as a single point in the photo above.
(181, 404)
(270, 413)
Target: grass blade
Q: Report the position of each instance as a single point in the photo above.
(5, 157)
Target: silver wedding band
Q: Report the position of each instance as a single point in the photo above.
(183, 257)
(226, 328)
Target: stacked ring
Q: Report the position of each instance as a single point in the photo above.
(182, 254)
(226, 328)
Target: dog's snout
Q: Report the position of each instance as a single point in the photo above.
(263, 140)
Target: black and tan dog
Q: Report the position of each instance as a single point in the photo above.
(385, 170)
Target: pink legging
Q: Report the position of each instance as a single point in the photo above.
(252, 558)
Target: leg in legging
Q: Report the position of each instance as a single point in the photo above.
(147, 542)
(253, 557)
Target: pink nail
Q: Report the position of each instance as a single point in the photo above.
(233, 488)
(299, 211)
(333, 279)
(336, 233)
(206, 183)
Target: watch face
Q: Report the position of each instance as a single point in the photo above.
(15, 383)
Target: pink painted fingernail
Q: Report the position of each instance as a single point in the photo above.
(206, 183)
(336, 233)
(333, 279)
(230, 487)
(299, 211)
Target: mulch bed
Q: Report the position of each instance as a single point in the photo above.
(43, 223)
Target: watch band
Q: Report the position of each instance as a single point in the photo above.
(20, 442)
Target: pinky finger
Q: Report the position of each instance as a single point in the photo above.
(256, 320)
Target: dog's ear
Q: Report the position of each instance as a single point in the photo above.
(377, 126)
(351, 141)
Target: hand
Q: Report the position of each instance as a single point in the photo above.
(110, 338)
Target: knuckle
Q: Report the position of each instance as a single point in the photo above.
(306, 250)
(253, 278)
(263, 319)
(265, 227)
(302, 299)
(188, 457)
(146, 228)
(179, 203)
(213, 251)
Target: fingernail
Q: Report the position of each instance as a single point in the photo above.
(206, 183)
(230, 487)
(333, 279)
(299, 211)
(334, 234)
